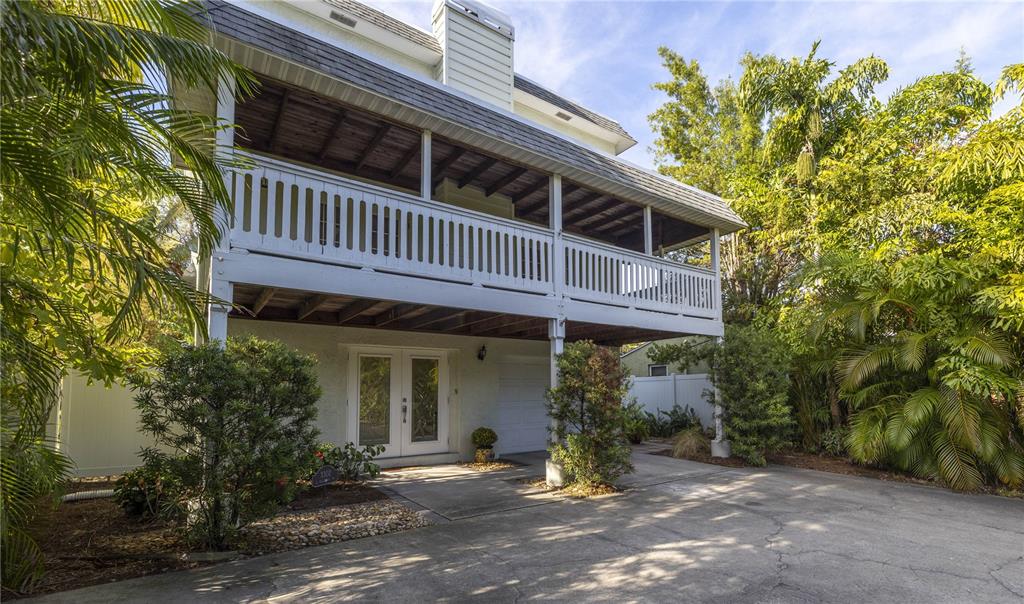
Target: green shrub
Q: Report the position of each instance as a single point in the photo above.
(351, 462)
(484, 438)
(751, 372)
(665, 424)
(636, 425)
(833, 442)
(691, 442)
(149, 491)
(589, 416)
(235, 426)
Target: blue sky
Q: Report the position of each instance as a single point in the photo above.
(604, 54)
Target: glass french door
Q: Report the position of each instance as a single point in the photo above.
(401, 401)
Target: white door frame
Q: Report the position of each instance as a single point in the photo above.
(400, 442)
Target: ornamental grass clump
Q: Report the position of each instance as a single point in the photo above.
(587, 409)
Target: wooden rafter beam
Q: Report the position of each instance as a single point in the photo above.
(354, 309)
(625, 210)
(311, 305)
(530, 190)
(395, 313)
(430, 317)
(374, 142)
(477, 171)
(439, 170)
(339, 121)
(462, 321)
(616, 224)
(266, 294)
(278, 119)
(543, 203)
(582, 205)
(405, 159)
(504, 181)
(499, 324)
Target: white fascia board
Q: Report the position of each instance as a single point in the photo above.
(620, 142)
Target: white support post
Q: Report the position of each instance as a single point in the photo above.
(225, 150)
(716, 265)
(556, 334)
(720, 446)
(555, 221)
(207, 278)
(426, 178)
(648, 232)
(217, 318)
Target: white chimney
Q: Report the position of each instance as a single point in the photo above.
(477, 41)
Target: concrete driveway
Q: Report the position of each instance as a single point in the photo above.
(683, 532)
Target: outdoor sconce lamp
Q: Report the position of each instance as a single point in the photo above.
(482, 353)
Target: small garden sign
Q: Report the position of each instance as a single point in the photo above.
(325, 476)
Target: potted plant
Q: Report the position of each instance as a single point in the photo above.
(484, 439)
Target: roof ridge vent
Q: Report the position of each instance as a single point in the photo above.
(487, 15)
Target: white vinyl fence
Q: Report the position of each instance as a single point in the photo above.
(662, 392)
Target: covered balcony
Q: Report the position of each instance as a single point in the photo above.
(342, 188)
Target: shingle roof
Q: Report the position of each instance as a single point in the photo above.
(535, 89)
(386, 21)
(279, 40)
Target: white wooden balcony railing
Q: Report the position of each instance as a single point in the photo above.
(291, 210)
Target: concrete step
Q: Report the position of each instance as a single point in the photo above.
(434, 459)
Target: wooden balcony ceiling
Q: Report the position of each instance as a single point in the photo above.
(272, 304)
(299, 125)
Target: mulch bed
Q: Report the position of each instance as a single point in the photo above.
(94, 541)
(490, 466)
(572, 491)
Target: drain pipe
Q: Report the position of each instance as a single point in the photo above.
(84, 495)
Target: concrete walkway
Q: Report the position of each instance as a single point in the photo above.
(684, 532)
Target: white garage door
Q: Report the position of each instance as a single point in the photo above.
(522, 420)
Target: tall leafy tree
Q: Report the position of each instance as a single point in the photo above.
(86, 178)
(902, 216)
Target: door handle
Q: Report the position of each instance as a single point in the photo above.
(405, 410)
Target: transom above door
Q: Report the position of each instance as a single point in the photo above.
(399, 399)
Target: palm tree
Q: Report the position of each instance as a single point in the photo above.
(931, 375)
(88, 136)
(806, 112)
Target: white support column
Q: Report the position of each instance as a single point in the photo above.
(217, 314)
(648, 232)
(556, 334)
(716, 265)
(207, 278)
(720, 446)
(225, 150)
(426, 178)
(555, 221)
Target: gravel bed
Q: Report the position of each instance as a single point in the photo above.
(328, 525)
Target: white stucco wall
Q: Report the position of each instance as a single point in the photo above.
(98, 426)
(473, 383)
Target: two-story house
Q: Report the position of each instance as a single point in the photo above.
(433, 226)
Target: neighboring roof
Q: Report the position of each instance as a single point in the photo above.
(535, 89)
(436, 100)
(386, 21)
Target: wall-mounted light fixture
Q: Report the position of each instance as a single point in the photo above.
(482, 353)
